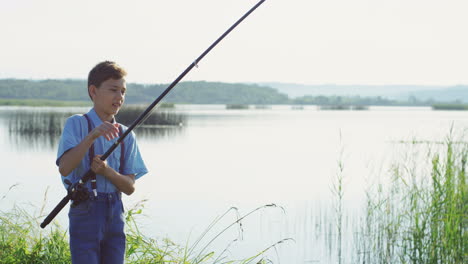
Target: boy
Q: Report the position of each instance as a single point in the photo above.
(96, 224)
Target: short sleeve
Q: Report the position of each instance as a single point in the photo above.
(134, 163)
(71, 136)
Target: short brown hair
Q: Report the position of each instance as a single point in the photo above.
(104, 71)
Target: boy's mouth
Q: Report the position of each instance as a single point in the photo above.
(117, 105)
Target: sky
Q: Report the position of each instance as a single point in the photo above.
(381, 42)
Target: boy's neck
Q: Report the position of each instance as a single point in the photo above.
(103, 116)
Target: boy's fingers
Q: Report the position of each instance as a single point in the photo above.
(113, 126)
(112, 130)
(108, 130)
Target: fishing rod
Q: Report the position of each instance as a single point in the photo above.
(72, 191)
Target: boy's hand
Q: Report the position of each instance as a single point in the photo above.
(99, 166)
(106, 129)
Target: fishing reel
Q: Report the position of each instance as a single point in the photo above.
(78, 194)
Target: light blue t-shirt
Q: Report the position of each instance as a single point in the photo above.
(76, 129)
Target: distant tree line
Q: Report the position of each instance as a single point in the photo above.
(199, 92)
(343, 100)
(190, 92)
(359, 101)
(67, 90)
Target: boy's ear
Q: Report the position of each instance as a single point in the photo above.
(92, 91)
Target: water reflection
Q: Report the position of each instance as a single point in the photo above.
(160, 124)
(37, 129)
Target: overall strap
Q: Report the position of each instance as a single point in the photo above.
(122, 152)
(91, 156)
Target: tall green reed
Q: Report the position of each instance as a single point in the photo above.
(421, 216)
(338, 192)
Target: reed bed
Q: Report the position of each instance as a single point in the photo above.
(36, 128)
(416, 212)
(344, 107)
(128, 114)
(453, 106)
(422, 215)
(43, 128)
(237, 106)
(37, 123)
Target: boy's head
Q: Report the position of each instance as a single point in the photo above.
(104, 71)
(107, 88)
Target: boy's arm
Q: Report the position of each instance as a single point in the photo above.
(72, 158)
(125, 183)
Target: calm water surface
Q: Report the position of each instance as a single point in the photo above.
(223, 158)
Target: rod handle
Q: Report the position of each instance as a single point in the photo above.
(56, 210)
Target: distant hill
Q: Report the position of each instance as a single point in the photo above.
(199, 92)
(397, 92)
(202, 92)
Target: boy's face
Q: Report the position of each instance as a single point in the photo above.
(109, 97)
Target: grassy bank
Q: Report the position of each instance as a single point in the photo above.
(23, 242)
(41, 102)
(455, 107)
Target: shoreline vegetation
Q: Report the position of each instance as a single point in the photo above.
(418, 212)
(22, 241)
(73, 93)
(454, 106)
(59, 103)
(36, 127)
(42, 103)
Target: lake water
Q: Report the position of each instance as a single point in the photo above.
(218, 159)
